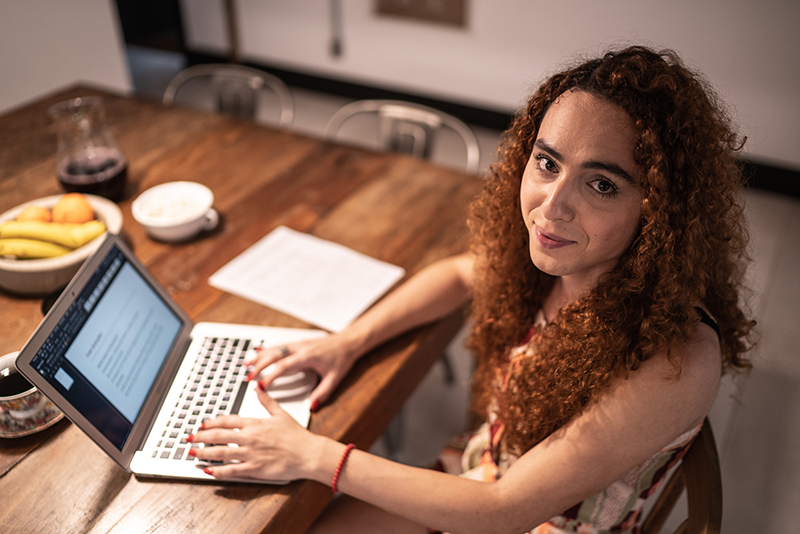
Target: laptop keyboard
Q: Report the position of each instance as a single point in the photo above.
(216, 386)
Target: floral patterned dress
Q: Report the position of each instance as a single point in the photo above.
(617, 509)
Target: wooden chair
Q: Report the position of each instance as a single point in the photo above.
(699, 473)
(235, 89)
(407, 128)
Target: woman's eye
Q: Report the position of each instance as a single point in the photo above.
(546, 164)
(603, 186)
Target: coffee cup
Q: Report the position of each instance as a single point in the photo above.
(23, 409)
(175, 211)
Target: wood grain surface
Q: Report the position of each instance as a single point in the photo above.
(394, 208)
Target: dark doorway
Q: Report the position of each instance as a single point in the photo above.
(152, 23)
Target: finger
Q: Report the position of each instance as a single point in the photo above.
(215, 453)
(223, 421)
(280, 368)
(278, 351)
(268, 358)
(268, 402)
(214, 437)
(323, 390)
(261, 362)
(223, 429)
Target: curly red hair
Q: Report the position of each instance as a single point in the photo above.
(691, 248)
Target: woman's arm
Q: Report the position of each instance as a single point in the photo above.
(636, 418)
(431, 294)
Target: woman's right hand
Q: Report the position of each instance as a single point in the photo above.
(331, 357)
(435, 291)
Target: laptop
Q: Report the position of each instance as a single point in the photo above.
(125, 363)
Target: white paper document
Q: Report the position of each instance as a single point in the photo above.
(320, 282)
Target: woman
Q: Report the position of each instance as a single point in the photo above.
(605, 275)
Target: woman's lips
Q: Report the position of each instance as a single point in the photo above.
(548, 240)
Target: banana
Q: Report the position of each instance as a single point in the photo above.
(88, 231)
(30, 248)
(66, 234)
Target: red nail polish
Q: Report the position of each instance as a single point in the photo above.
(261, 386)
(203, 425)
(314, 406)
(249, 377)
(192, 452)
(190, 438)
(208, 471)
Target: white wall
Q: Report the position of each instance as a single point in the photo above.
(749, 50)
(48, 44)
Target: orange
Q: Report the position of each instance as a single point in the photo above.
(73, 208)
(34, 213)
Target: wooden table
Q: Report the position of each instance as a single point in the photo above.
(391, 207)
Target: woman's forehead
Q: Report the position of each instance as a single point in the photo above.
(590, 128)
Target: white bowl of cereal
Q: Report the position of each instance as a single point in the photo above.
(175, 211)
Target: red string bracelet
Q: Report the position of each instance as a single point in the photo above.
(339, 467)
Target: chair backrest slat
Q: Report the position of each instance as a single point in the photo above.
(408, 128)
(235, 88)
(699, 474)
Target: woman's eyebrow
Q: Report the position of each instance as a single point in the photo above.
(612, 168)
(606, 166)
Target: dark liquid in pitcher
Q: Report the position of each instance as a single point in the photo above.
(104, 176)
(12, 383)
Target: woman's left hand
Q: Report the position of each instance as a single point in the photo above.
(273, 448)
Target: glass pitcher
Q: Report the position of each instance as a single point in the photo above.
(89, 159)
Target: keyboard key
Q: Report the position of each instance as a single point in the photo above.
(208, 392)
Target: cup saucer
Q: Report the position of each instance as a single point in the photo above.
(16, 428)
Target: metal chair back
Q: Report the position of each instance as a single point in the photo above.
(235, 90)
(408, 128)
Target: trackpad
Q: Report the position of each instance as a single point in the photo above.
(291, 392)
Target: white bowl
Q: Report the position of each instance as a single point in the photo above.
(42, 276)
(175, 211)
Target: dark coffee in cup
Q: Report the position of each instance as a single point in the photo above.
(12, 383)
(23, 408)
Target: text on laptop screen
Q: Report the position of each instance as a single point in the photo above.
(106, 351)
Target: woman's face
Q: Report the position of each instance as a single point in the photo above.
(579, 195)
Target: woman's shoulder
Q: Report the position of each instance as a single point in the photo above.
(699, 355)
(640, 414)
(686, 374)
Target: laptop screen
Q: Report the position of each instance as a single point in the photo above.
(106, 351)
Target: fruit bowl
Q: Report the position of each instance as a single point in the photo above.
(37, 277)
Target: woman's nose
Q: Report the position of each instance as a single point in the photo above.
(559, 202)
